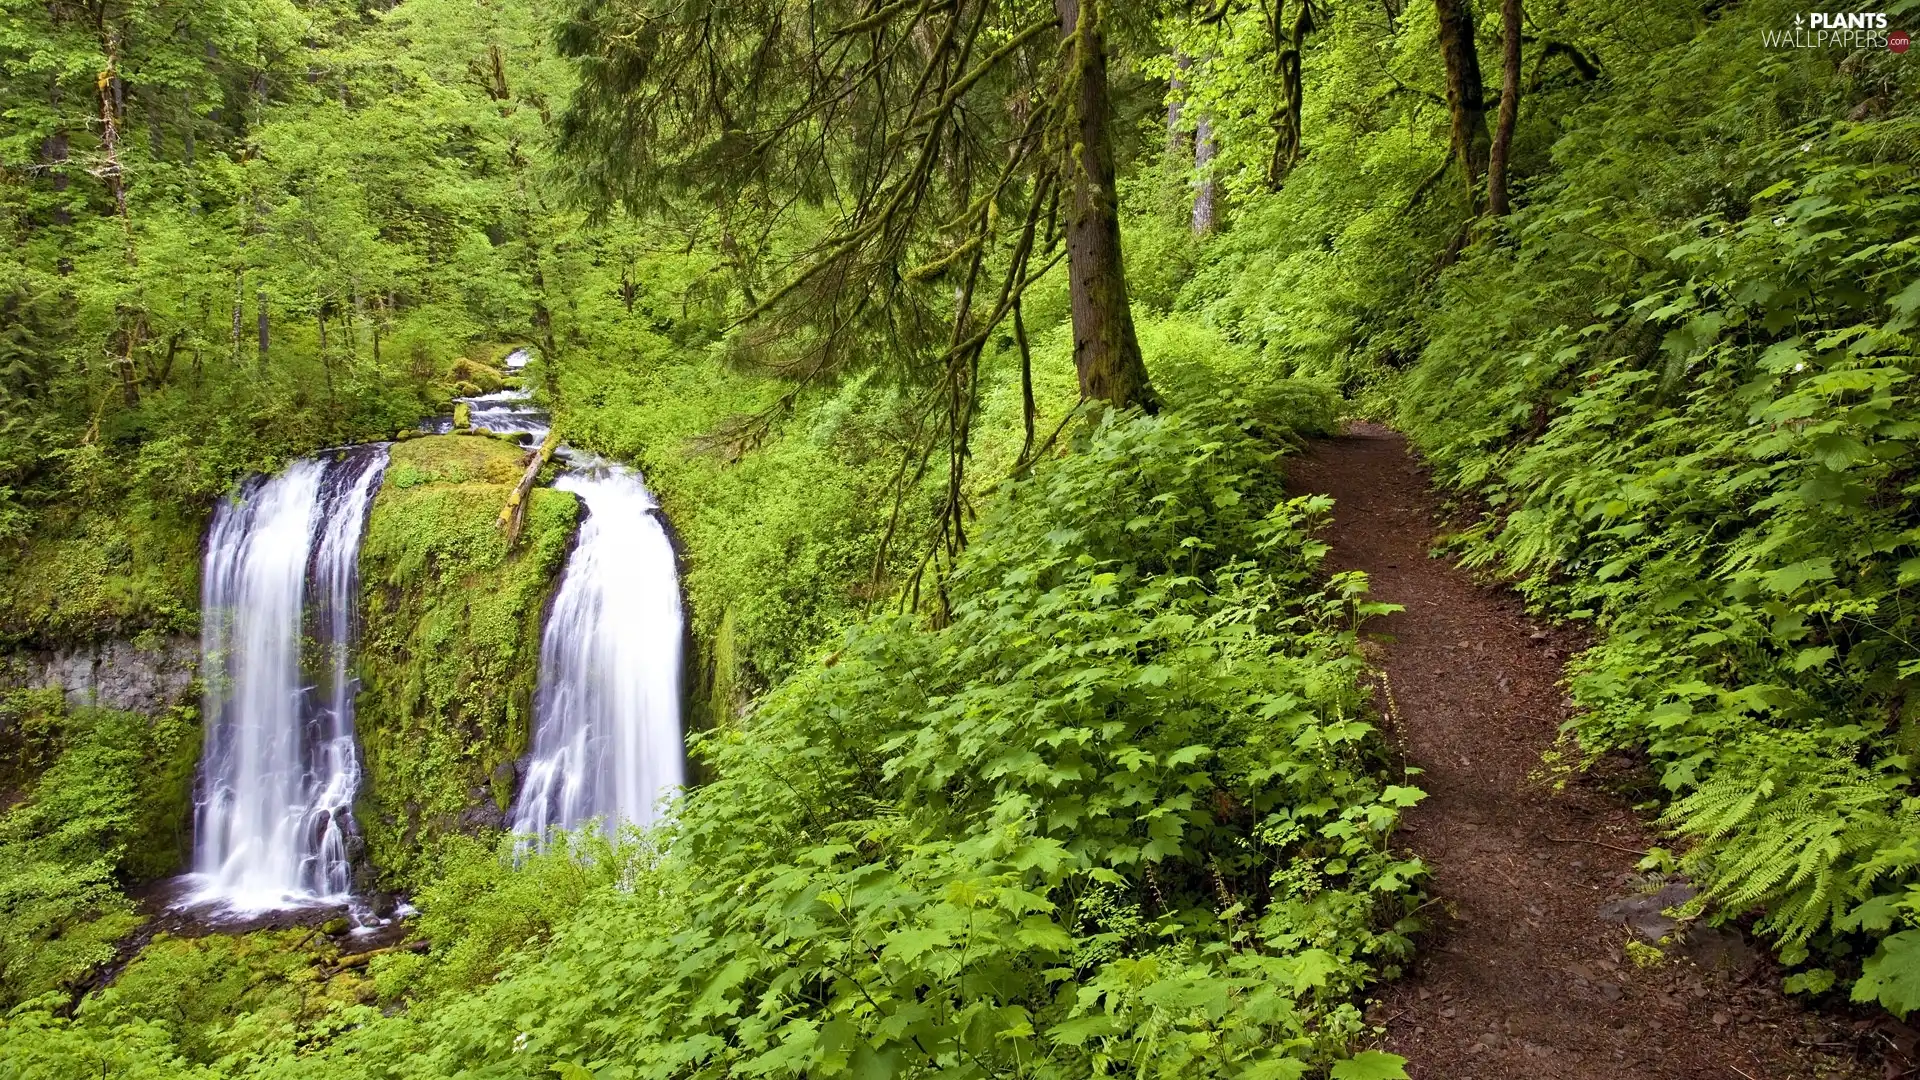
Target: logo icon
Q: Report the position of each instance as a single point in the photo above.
(1899, 41)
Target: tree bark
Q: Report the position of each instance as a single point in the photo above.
(1206, 194)
(513, 516)
(1509, 108)
(1289, 59)
(111, 107)
(1106, 351)
(1466, 97)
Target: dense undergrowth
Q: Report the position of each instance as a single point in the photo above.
(94, 797)
(1717, 462)
(1119, 809)
(1678, 381)
(1127, 805)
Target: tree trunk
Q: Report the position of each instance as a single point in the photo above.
(513, 516)
(1289, 59)
(54, 153)
(260, 300)
(1205, 192)
(1509, 108)
(1106, 351)
(1466, 97)
(111, 107)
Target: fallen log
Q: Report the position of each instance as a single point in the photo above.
(514, 515)
(360, 960)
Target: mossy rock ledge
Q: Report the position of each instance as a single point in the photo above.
(449, 652)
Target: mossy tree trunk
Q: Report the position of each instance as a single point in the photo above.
(1466, 96)
(1106, 351)
(1509, 108)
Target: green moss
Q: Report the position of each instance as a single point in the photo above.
(104, 569)
(196, 988)
(484, 378)
(453, 459)
(722, 674)
(449, 653)
(158, 843)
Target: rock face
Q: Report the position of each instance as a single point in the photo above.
(450, 648)
(115, 673)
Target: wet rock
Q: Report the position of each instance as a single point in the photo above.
(1642, 914)
(483, 815)
(117, 673)
(382, 904)
(1718, 948)
(335, 927)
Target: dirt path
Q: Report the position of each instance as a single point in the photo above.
(1524, 977)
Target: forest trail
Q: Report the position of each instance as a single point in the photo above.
(1524, 976)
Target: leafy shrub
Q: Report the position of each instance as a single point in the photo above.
(1691, 408)
(489, 903)
(1125, 806)
(110, 804)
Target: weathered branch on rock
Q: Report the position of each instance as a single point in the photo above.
(514, 515)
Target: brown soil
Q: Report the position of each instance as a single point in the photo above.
(1522, 977)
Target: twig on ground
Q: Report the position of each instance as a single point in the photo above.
(1595, 843)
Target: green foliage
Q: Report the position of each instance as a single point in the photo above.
(1126, 806)
(1370, 1065)
(225, 996)
(331, 175)
(110, 805)
(1680, 380)
(1891, 976)
(1695, 422)
(448, 654)
(490, 904)
(782, 530)
(97, 567)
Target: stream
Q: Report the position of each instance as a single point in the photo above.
(274, 824)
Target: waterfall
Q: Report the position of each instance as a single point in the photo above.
(273, 823)
(607, 741)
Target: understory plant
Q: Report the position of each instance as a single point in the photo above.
(1126, 806)
(1123, 810)
(1692, 413)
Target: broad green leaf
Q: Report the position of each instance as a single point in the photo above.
(1371, 1065)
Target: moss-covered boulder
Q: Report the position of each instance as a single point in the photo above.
(481, 377)
(450, 648)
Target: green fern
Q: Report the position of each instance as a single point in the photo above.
(1804, 838)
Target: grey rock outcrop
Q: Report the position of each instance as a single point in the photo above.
(114, 673)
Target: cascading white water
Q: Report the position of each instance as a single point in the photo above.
(607, 741)
(281, 769)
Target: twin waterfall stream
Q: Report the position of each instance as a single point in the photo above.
(274, 816)
(281, 768)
